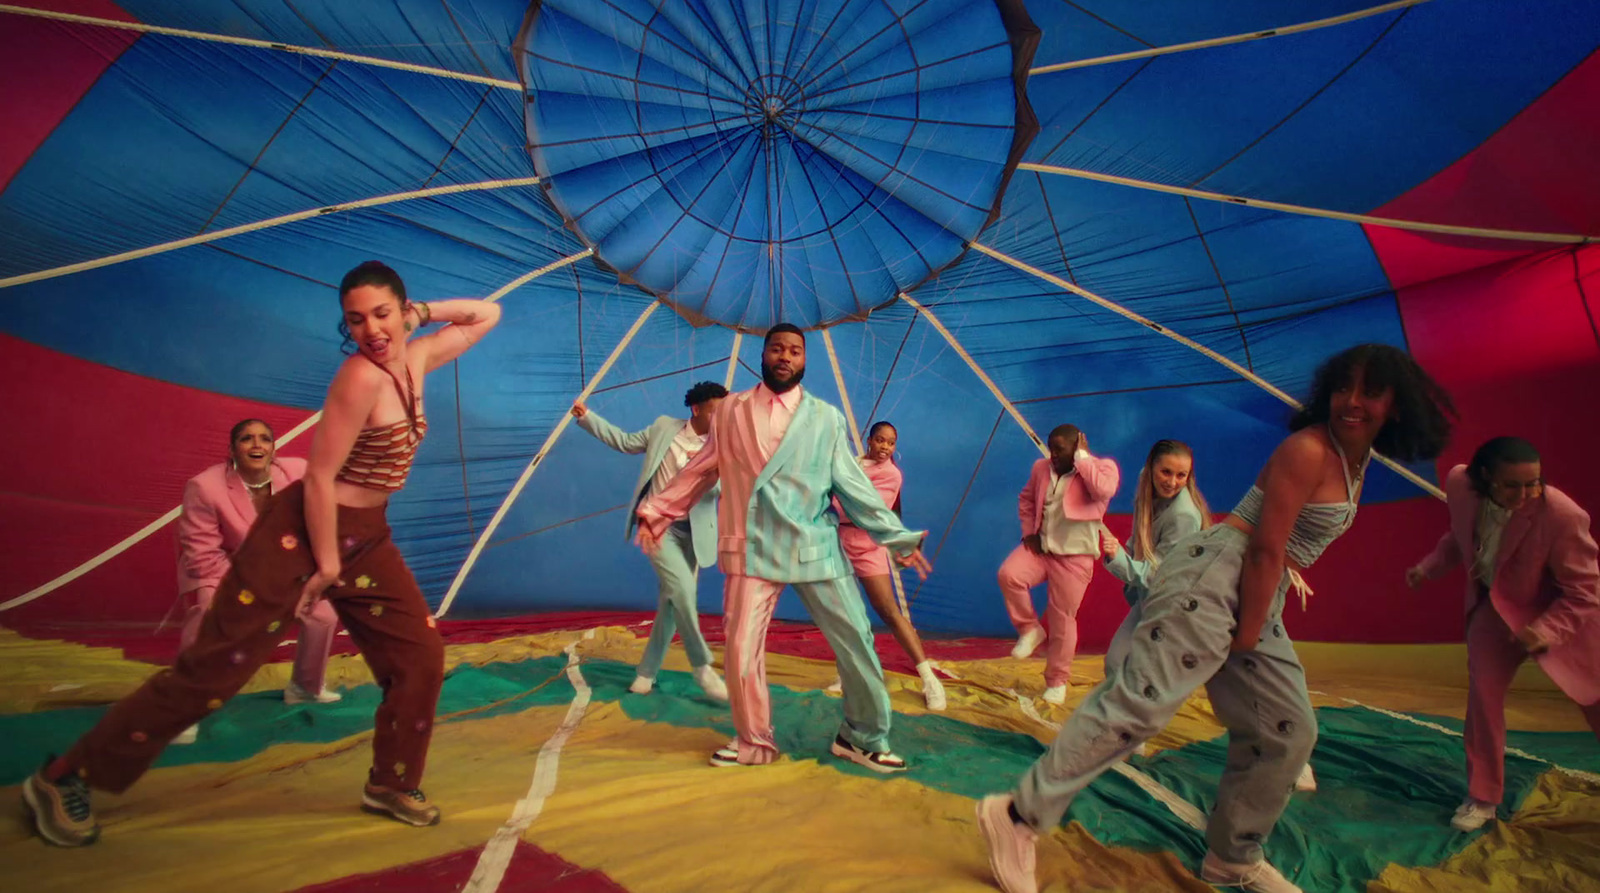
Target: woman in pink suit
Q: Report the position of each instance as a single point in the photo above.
(870, 561)
(1532, 588)
(219, 505)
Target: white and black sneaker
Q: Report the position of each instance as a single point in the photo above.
(878, 761)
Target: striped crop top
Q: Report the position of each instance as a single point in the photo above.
(1318, 524)
(381, 457)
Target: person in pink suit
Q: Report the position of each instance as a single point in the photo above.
(870, 561)
(1061, 509)
(1532, 589)
(219, 505)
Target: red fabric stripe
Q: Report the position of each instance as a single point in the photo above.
(531, 869)
(1515, 346)
(47, 66)
(1538, 173)
(90, 455)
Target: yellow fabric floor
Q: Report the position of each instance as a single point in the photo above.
(634, 799)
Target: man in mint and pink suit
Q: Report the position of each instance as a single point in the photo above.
(1062, 508)
(781, 456)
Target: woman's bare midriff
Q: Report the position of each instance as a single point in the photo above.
(352, 496)
(1245, 527)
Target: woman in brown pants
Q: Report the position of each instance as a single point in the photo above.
(323, 537)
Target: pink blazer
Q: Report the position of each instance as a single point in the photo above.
(1085, 497)
(1545, 578)
(217, 513)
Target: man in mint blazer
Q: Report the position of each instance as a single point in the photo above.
(780, 456)
(668, 444)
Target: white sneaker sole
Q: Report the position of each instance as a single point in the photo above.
(861, 759)
(368, 804)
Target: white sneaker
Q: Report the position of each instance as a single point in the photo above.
(932, 688)
(1307, 781)
(1055, 694)
(711, 684)
(189, 735)
(1259, 878)
(1472, 815)
(642, 685)
(1028, 642)
(295, 693)
(1012, 857)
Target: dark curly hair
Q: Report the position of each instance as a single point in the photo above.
(1494, 453)
(703, 391)
(372, 272)
(1419, 423)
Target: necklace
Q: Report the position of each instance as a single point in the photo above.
(265, 483)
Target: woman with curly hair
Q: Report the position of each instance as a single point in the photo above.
(1213, 617)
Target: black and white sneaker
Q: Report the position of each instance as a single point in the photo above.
(878, 761)
(726, 756)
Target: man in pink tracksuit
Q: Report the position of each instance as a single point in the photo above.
(1061, 508)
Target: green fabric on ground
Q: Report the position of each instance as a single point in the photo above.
(1386, 786)
(249, 724)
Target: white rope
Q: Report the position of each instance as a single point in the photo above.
(259, 44)
(844, 392)
(1224, 41)
(264, 224)
(549, 441)
(1192, 345)
(733, 361)
(978, 370)
(855, 437)
(497, 853)
(1590, 777)
(526, 278)
(1387, 222)
(1186, 812)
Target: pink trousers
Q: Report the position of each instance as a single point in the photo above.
(1493, 656)
(310, 654)
(1068, 578)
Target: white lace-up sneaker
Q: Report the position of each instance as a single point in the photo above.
(1028, 642)
(1260, 877)
(1012, 855)
(295, 693)
(1472, 815)
(711, 684)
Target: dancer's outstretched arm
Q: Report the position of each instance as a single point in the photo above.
(609, 434)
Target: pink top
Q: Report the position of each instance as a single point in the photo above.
(772, 413)
(886, 479)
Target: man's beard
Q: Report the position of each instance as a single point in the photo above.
(776, 386)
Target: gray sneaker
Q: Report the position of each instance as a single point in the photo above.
(61, 810)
